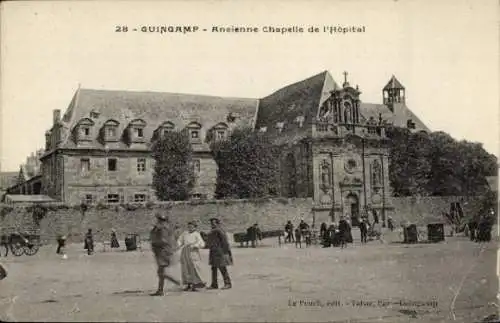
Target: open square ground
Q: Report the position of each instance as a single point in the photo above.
(452, 280)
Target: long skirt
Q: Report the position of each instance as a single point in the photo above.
(190, 267)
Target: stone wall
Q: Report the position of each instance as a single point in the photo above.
(236, 216)
(424, 210)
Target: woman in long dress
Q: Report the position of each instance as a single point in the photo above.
(190, 242)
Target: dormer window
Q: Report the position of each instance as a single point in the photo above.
(220, 131)
(111, 130)
(136, 130)
(84, 130)
(194, 130)
(164, 129)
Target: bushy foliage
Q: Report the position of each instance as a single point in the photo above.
(173, 177)
(247, 165)
(436, 164)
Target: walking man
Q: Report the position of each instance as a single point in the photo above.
(220, 255)
(164, 245)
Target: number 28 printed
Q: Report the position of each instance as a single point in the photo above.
(121, 29)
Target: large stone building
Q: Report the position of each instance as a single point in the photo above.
(334, 147)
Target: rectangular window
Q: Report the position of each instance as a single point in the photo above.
(166, 132)
(113, 198)
(195, 134)
(112, 164)
(110, 132)
(141, 165)
(88, 199)
(140, 198)
(85, 131)
(139, 132)
(84, 166)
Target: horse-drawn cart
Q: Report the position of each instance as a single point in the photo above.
(19, 243)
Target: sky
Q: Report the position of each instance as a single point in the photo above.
(444, 52)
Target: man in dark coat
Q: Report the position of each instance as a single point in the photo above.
(289, 232)
(220, 256)
(344, 229)
(163, 245)
(89, 242)
(363, 228)
(254, 234)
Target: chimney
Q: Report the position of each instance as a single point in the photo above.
(56, 116)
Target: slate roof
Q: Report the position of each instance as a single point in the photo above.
(154, 108)
(300, 99)
(399, 118)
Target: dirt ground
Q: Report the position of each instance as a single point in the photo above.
(386, 282)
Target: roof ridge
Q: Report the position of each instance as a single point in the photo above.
(168, 93)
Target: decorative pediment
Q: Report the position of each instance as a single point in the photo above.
(138, 122)
(111, 122)
(85, 122)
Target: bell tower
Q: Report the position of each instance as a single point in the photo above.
(393, 93)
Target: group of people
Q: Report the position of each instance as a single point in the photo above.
(301, 233)
(336, 235)
(164, 245)
(479, 229)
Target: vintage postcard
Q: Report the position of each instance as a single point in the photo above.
(249, 161)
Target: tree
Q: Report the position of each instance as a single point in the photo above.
(436, 164)
(173, 177)
(247, 165)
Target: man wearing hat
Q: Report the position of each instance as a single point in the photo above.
(163, 244)
(220, 255)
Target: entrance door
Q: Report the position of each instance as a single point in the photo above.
(353, 205)
(355, 214)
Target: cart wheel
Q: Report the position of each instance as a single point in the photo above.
(32, 249)
(17, 249)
